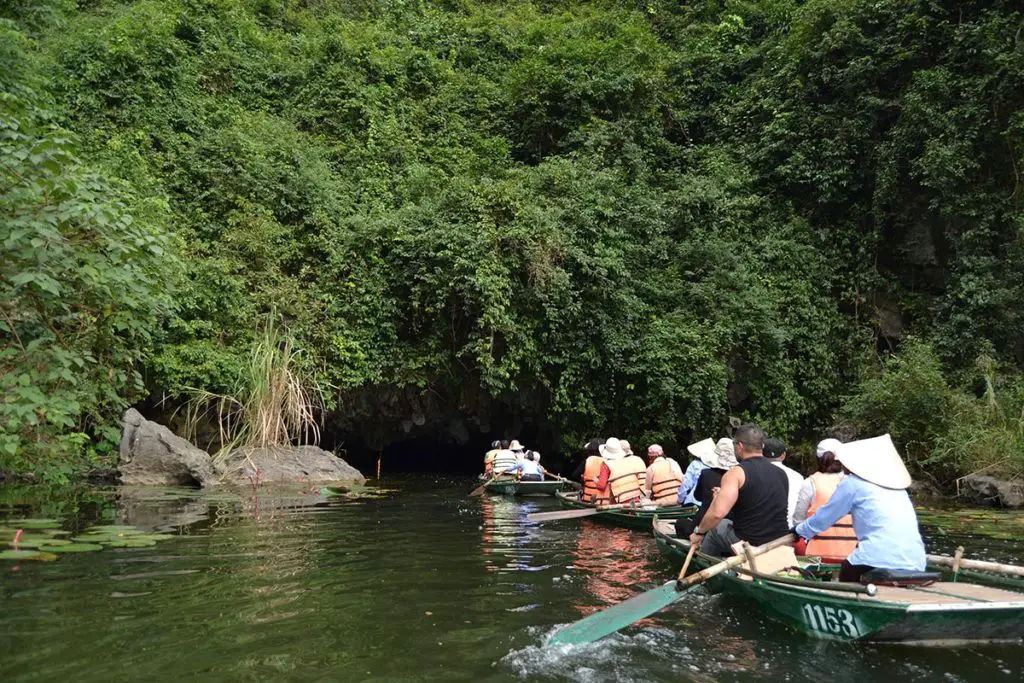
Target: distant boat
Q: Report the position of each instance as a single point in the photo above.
(515, 487)
(631, 518)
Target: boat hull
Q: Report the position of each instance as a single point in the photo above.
(630, 519)
(512, 487)
(839, 616)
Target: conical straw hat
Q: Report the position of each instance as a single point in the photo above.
(875, 460)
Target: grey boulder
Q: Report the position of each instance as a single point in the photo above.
(986, 490)
(287, 465)
(152, 455)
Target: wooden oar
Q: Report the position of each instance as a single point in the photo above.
(619, 616)
(979, 565)
(572, 514)
(482, 487)
(686, 564)
(560, 478)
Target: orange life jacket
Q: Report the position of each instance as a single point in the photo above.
(665, 482)
(591, 475)
(837, 542)
(627, 477)
(489, 461)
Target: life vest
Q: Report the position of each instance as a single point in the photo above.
(638, 462)
(837, 542)
(591, 474)
(665, 482)
(503, 460)
(626, 480)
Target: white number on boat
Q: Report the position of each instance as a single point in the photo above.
(833, 620)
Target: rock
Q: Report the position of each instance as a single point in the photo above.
(922, 488)
(288, 464)
(152, 455)
(986, 490)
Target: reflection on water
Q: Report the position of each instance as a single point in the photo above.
(420, 584)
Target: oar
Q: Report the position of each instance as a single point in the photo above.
(979, 565)
(560, 478)
(619, 616)
(480, 489)
(686, 564)
(572, 514)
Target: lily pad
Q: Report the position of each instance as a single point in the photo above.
(153, 537)
(37, 542)
(71, 548)
(33, 523)
(114, 530)
(27, 555)
(129, 543)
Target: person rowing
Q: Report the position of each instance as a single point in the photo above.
(717, 460)
(874, 492)
(489, 458)
(751, 502)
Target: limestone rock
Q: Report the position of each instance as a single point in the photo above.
(289, 464)
(991, 491)
(152, 455)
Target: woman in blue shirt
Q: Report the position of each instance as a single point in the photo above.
(529, 467)
(875, 493)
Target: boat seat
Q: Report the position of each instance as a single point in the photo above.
(899, 577)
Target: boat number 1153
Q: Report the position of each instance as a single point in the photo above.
(833, 620)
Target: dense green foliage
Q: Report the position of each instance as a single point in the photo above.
(596, 217)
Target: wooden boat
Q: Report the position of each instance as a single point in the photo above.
(514, 487)
(638, 518)
(944, 613)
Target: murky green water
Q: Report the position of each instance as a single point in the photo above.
(421, 584)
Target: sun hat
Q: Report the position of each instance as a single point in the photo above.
(612, 449)
(625, 446)
(536, 456)
(875, 460)
(515, 446)
(720, 455)
(828, 446)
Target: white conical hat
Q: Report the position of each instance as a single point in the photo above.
(875, 460)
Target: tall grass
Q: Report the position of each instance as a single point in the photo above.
(273, 402)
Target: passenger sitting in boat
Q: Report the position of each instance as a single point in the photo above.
(518, 449)
(874, 492)
(589, 474)
(693, 470)
(489, 458)
(775, 452)
(504, 459)
(836, 543)
(622, 474)
(717, 459)
(635, 463)
(751, 502)
(664, 476)
(529, 468)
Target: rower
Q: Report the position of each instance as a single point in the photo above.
(699, 451)
(529, 468)
(623, 473)
(775, 453)
(751, 502)
(874, 492)
(837, 542)
(664, 476)
(489, 458)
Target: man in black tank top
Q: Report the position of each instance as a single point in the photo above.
(751, 503)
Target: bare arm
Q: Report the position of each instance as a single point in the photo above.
(729, 491)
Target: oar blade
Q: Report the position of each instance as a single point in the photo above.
(560, 514)
(600, 624)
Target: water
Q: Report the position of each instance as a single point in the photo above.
(421, 584)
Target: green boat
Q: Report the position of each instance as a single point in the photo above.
(638, 518)
(944, 613)
(515, 487)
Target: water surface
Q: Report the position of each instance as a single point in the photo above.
(419, 584)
